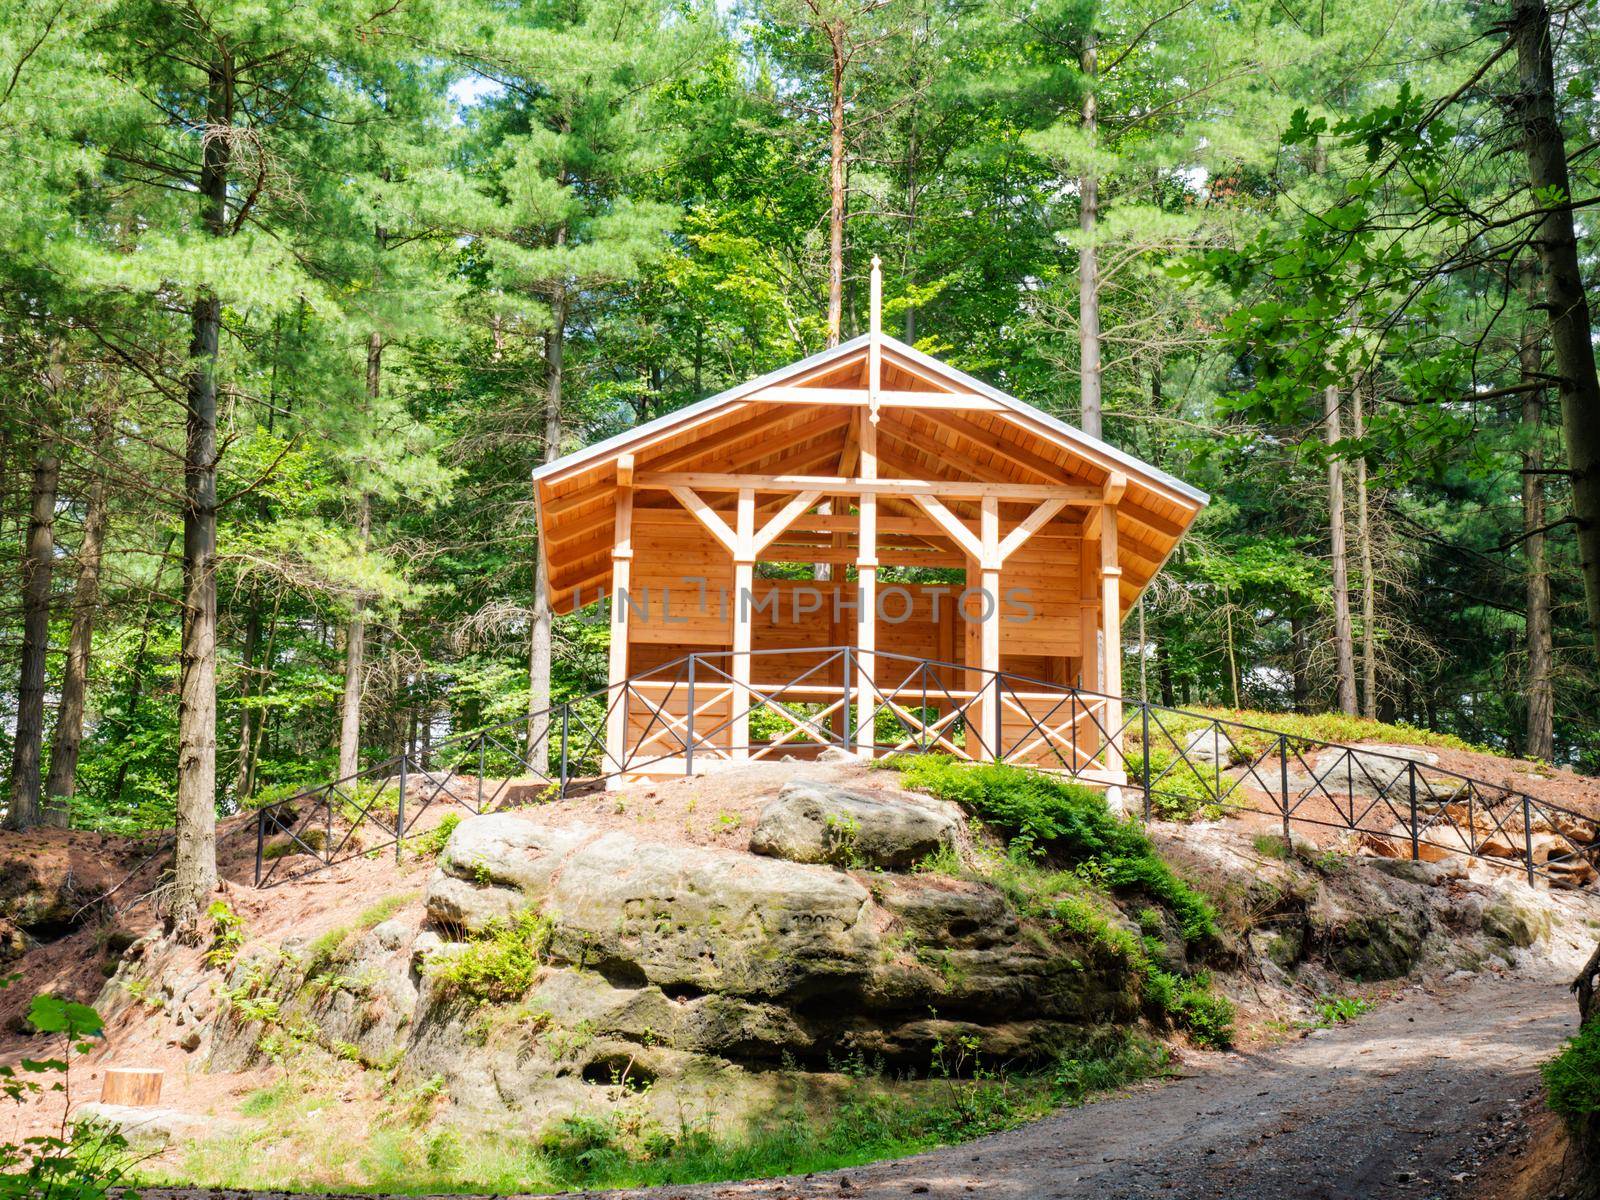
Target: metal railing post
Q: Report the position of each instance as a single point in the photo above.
(999, 723)
(261, 837)
(688, 743)
(1527, 835)
(327, 827)
(1283, 782)
(1144, 747)
(400, 813)
(566, 713)
(481, 767)
(849, 706)
(1411, 779)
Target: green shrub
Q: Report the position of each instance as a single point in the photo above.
(500, 964)
(1336, 1010)
(1039, 814)
(1572, 1078)
(1179, 790)
(1109, 1058)
(1191, 1005)
(227, 934)
(432, 842)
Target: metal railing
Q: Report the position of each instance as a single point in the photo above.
(682, 716)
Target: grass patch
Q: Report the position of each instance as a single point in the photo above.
(1338, 1010)
(1324, 727)
(432, 842)
(1180, 790)
(380, 912)
(1271, 845)
(301, 1137)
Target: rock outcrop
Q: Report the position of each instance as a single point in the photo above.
(812, 822)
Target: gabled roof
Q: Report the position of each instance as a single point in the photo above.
(966, 430)
(646, 433)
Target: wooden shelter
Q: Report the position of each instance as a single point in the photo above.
(870, 499)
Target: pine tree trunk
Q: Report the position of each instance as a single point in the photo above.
(1540, 684)
(61, 783)
(1300, 680)
(1089, 263)
(37, 567)
(355, 647)
(1369, 640)
(1343, 636)
(355, 638)
(1571, 328)
(836, 188)
(195, 866)
(539, 653)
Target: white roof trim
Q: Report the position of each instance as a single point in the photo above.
(1070, 434)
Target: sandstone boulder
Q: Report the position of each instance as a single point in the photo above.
(812, 822)
(1371, 771)
(494, 866)
(716, 920)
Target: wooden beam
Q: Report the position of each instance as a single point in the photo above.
(947, 521)
(945, 456)
(1116, 485)
(707, 516)
(996, 444)
(715, 481)
(887, 398)
(780, 521)
(1031, 524)
(989, 631)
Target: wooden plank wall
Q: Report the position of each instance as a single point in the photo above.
(673, 553)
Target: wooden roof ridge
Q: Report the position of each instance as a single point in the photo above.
(1022, 414)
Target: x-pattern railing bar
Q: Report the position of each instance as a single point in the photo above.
(1426, 801)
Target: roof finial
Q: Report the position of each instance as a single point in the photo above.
(874, 338)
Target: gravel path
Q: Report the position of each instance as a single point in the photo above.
(1402, 1103)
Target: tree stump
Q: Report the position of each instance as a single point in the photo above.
(135, 1086)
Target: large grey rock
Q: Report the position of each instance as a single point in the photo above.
(494, 866)
(812, 822)
(716, 920)
(1208, 747)
(1369, 770)
(644, 912)
(144, 1126)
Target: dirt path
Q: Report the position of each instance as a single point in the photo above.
(1402, 1103)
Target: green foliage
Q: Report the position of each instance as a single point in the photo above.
(1336, 1010)
(227, 934)
(500, 964)
(1110, 1058)
(432, 842)
(1192, 1006)
(1065, 822)
(1052, 824)
(75, 1162)
(1572, 1077)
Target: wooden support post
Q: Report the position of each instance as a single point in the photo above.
(867, 595)
(621, 571)
(989, 631)
(744, 579)
(1111, 626)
